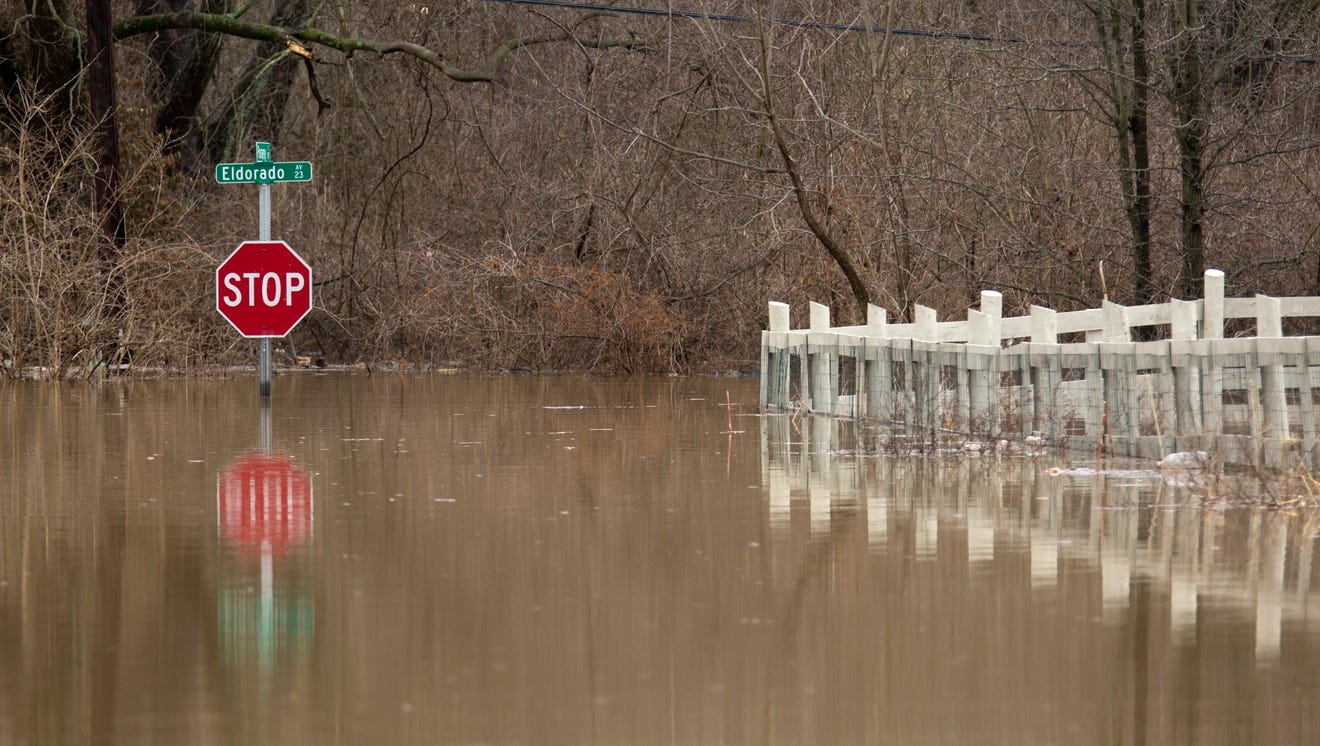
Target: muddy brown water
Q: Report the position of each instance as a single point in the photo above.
(430, 559)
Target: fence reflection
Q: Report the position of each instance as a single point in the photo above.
(1114, 529)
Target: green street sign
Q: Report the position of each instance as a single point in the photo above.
(263, 172)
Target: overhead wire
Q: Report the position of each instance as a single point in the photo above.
(787, 22)
(854, 27)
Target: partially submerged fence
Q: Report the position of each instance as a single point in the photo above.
(1072, 378)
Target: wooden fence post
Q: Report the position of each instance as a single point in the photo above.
(877, 321)
(924, 329)
(1046, 372)
(992, 305)
(819, 380)
(979, 389)
(1212, 315)
(1274, 405)
(1186, 377)
(774, 363)
(779, 316)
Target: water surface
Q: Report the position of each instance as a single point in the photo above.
(430, 559)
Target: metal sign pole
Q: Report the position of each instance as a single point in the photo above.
(264, 436)
(263, 374)
(294, 280)
(263, 212)
(267, 616)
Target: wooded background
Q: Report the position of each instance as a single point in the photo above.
(593, 188)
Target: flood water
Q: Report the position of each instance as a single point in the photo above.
(430, 559)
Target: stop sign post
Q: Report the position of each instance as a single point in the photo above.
(264, 288)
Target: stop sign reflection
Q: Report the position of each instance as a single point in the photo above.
(264, 503)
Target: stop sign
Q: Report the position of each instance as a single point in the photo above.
(264, 289)
(264, 502)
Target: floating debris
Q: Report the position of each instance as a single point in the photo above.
(1186, 461)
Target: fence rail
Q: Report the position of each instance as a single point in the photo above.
(1250, 400)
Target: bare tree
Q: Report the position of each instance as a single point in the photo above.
(805, 199)
(1121, 28)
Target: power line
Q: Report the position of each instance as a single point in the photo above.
(856, 28)
(792, 23)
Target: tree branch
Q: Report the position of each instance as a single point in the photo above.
(861, 295)
(231, 26)
(694, 295)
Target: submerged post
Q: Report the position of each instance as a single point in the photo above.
(264, 428)
(1046, 370)
(775, 366)
(1185, 364)
(980, 333)
(818, 382)
(1274, 403)
(263, 368)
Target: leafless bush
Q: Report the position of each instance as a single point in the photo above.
(496, 309)
(71, 308)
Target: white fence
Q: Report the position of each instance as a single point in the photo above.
(1251, 400)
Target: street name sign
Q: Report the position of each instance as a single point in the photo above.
(263, 172)
(263, 289)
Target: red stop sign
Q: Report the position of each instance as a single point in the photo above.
(264, 289)
(264, 502)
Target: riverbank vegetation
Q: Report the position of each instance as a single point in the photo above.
(557, 187)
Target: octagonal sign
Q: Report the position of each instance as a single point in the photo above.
(264, 289)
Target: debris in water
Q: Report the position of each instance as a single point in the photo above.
(1185, 461)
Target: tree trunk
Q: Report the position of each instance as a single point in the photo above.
(187, 61)
(1191, 130)
(255, 111)
(818, 229)
(1139, 203)
(105, 142)
(101, 99)
(1122, 30)
(878, 49)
